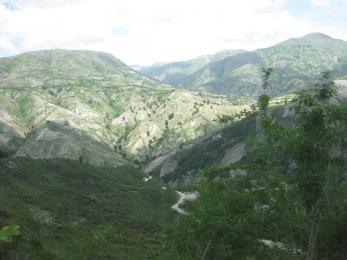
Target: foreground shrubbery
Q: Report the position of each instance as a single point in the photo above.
(287, 199)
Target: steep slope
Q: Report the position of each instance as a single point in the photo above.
(68, 210)
(96, 105)
(56, 140)
(11, 132)
(296, 63)
(175, 73)
(181, 167)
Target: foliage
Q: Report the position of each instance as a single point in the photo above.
(266, 72)
(216, 227)
(262, 105)
(316, 147)
(3, 154)
(285, 200)
(69, 210)
(224, 118)
(8, 233)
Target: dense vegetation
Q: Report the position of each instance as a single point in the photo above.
(286, 200)
(69, 210)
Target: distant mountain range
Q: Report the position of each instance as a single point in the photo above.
(175, 73)
(297, 63)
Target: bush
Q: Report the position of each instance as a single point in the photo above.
(3, 154)
(170, 116)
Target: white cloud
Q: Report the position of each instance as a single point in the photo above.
(144, 32)
(321, 3)
(6, 44)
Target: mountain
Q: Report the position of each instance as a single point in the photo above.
(175, 73)
(91, 107)
(296, 62)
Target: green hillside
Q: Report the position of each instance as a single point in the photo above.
(69, 210)
(74, 103)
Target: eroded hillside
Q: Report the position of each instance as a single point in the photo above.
(91, 107)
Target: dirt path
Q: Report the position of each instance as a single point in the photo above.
(184, 196)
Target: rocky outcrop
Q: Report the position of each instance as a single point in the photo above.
(59, 141)
(234, 154)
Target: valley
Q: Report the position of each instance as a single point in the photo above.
(99, 160)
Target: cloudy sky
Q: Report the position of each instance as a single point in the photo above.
(148, 31)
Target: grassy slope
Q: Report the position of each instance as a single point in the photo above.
(69, 210)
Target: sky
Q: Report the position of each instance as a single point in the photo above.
(144, 32)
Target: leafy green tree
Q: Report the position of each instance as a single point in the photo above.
(287, 198)
(314, 147)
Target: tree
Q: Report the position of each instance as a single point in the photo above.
(314, 146)
(170, 116)
(290, 190)
(7, 236)
(217, 222)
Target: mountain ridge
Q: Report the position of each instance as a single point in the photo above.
(296, 63)
(173, 72)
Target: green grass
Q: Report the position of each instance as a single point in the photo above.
(68, 210)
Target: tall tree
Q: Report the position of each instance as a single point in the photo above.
(315, 148)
